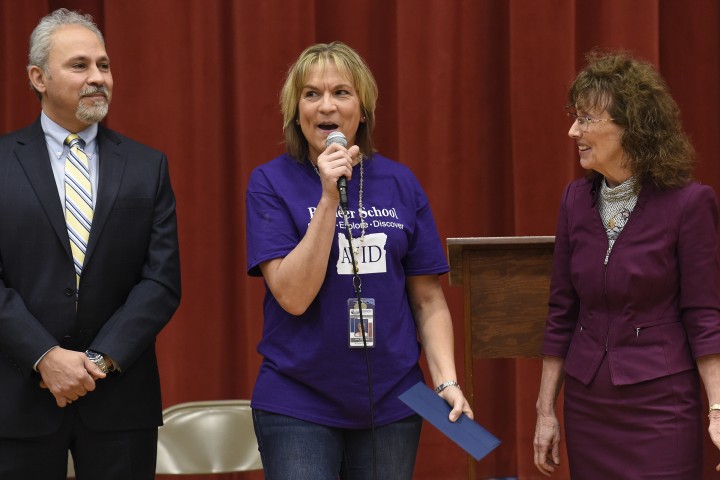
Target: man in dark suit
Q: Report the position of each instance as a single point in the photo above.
(80, 307)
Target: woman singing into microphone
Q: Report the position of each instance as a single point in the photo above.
(325, 404)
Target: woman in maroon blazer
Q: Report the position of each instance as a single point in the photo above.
(634, 311)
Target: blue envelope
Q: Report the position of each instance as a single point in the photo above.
(467, 433)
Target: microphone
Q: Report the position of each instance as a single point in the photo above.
(339, 138)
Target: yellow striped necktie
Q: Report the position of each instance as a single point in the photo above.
(78, 201)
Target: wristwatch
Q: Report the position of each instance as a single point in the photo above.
(98, 360)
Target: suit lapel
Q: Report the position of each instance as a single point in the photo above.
(32, 153)
(111, 167)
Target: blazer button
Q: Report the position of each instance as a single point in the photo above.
(69, 292)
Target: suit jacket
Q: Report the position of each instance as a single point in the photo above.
(130, 285)
(654, 307)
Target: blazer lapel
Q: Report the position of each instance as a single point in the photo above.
(32, 153)
(111, 165)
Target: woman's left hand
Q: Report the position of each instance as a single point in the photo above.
(709, 368)
(714, 430)
(455, 398)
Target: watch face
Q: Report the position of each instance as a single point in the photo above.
(98, 360)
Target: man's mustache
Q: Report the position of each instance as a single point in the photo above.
(94, 91)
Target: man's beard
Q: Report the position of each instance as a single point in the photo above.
(95, 112)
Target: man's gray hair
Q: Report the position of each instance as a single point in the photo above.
(40, 39)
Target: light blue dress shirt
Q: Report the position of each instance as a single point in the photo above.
(55, 136)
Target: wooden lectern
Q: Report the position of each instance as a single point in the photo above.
(506, 283)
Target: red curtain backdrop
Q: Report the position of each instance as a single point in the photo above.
(471, 98)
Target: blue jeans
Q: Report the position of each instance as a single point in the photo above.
(293, 449)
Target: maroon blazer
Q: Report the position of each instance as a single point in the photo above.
(655, 306)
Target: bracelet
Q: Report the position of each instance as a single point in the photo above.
(714, 406)
(453, 383)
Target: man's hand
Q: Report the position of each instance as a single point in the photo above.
(68, 375)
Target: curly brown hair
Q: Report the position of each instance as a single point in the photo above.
(638, 100)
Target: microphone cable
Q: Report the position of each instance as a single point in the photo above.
(357, 283)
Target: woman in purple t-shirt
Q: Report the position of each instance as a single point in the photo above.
(325, 402)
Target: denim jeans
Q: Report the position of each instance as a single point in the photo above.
(293, 449)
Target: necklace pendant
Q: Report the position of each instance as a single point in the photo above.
(611, 223)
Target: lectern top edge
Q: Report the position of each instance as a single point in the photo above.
(501, 240)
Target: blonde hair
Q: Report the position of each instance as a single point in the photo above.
(350, 64)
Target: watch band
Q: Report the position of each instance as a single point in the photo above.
(98, 360)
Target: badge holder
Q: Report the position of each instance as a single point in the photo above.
(361, 320)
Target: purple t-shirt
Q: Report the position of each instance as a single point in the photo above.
(309, 370)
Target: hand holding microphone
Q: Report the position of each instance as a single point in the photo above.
(339, 138)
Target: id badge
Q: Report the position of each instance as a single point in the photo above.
(358, 325)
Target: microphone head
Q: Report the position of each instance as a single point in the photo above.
(336, 137)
